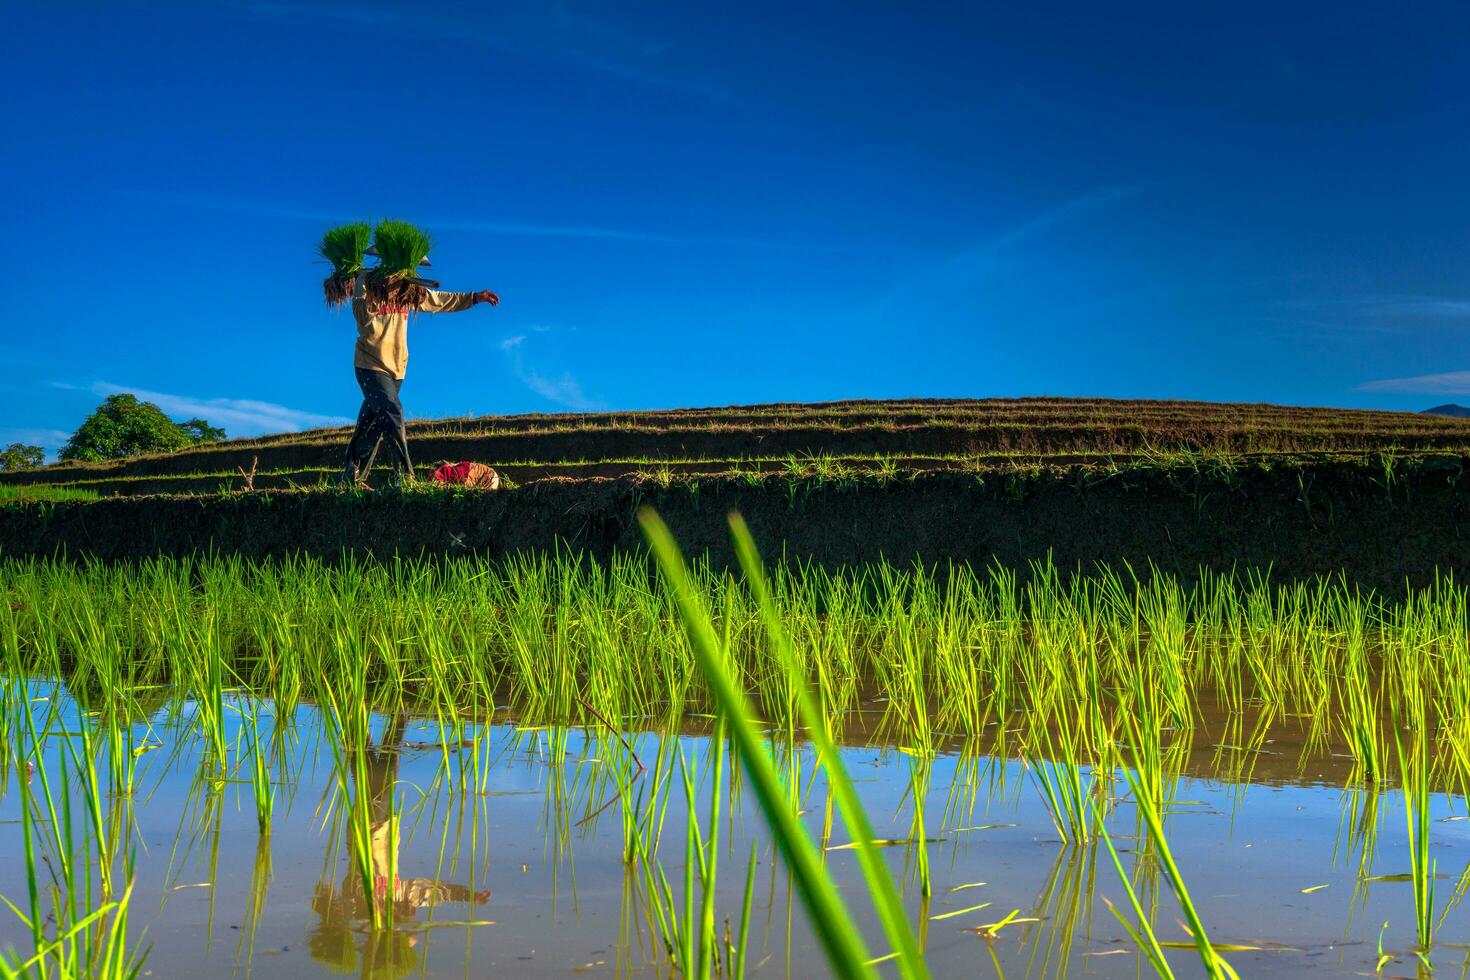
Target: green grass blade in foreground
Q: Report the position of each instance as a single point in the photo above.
(875, 871)
(1215, 965)
(846, 953)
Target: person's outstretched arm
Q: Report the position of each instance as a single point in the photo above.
(442, 301)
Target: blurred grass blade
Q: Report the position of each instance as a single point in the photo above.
(828, 916)
(875, 872)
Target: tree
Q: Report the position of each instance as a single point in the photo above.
(201, 431)
(19, 456)
(122, 426)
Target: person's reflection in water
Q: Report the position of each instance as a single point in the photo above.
(342, 937)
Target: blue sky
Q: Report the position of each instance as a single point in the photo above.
(699, 204)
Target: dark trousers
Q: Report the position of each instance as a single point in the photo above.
(379, 420)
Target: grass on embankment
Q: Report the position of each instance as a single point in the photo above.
(915, 428)
(1380, 519)
(20, 494)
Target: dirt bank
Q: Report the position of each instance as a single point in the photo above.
(1379, 521)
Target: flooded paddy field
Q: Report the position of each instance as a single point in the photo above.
(509, 856)
(549, 767)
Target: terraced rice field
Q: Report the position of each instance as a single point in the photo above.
(1188, 694)
(542, 767)
(794, 439)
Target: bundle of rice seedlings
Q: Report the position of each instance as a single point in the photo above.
(400, 247)
(344, 246)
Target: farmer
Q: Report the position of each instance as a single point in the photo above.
(382, 299)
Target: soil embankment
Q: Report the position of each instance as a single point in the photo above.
(1378, 521)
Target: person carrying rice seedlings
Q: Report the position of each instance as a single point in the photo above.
(382, 299)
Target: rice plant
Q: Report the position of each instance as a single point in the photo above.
(41, 492)
(1151, 814)
(260, 772)
(345, 247)
(564, 638)
(1071, 674)
(76, 934)
(694, 945)
(842, 944)
(400, 246)
(1058, 774)
(1414, 771)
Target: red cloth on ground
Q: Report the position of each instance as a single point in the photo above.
(453, 473)
(468, 474)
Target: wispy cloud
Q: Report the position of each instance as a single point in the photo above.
(48, 439)
(1379, 306)
(255, 206)
(1051, 217)
(238, 416)
(563, 390)
(560, 389)
(614, 234)
(959, 270)
(536, 29)
(228, 202)
(1447, 383)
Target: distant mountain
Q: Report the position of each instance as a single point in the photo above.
(1450, 408)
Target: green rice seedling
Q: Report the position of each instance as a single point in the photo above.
(260, 773)
(880, 886)
(1414, 769)
(93, 947)
(44, 493)
(124, 754)
(691, 939)
(345, 247)
(1151, 813)
(557, 639)
(840, 941)
(643, 844)
(1057, 774)
(1359, 698)
(74, 936)
(710, 858)
(1162, 607)
(1140, 707)
(84, 761)
(200, 659)
(920, 764)
(401, 247)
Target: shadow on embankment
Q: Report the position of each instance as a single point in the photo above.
(1381, 524)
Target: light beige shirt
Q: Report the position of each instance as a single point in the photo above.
(382, 328)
